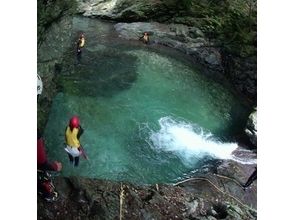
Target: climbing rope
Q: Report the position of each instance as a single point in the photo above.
(225, 193)
(225, 177)
(121, 198)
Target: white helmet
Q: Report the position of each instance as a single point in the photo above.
(39, 85)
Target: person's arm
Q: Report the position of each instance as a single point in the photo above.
(51, 166)
(42, 162)
(81, 131)
(65, 135)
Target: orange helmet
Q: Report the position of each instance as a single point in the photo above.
(74, 122)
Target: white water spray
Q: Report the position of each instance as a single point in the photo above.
(190, 142)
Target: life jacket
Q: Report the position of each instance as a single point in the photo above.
(41, 154)
(82, 42)
(72, 137)
(146, 38)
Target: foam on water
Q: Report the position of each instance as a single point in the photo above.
(189, 141)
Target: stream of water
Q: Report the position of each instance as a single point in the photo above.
(148, 116)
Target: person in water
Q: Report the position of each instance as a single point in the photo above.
(251, 179)
(44, 183)
(145, 38)
(80, 44)
(73, 133)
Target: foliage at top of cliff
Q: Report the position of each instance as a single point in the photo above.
(231, 23)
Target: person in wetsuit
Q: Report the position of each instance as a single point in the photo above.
(145, 38)
(80, 44)
(45, 185)
(251, 179)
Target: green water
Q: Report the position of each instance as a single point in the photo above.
(120, 93)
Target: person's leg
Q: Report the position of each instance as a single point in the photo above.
(251, 179)
(70, 158)
(77, 159)
(79, 54)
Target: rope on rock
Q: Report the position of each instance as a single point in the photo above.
(225, 193)
(121, 198)
(225, 177)
(157, 188)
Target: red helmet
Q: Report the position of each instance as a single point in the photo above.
(74, 122)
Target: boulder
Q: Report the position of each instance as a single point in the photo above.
(127, 10)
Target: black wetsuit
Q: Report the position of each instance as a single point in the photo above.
(79, 49)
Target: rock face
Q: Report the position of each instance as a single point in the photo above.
(50, 55)
(242, 73)
(127, 10)
(189, 40)
(251, 129)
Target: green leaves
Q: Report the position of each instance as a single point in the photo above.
(231, 23)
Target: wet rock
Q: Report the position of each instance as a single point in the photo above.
(233, 175)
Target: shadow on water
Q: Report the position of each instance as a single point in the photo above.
(95, 74)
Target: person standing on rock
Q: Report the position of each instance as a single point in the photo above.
(44, 183)
(80, 44)
(73, 133)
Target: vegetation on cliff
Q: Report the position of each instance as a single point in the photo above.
(232, 23)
